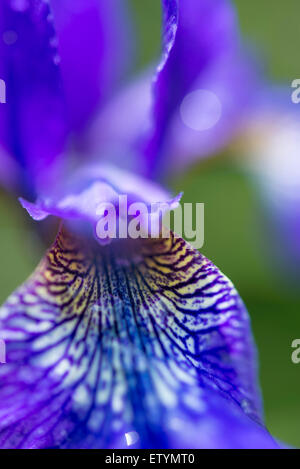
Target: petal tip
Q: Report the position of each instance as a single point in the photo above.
(34, 211)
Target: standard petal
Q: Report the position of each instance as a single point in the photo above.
(144, 344)
(120, 129)
(201, 55)
(94, 48)
(32, 125)
(170, 10)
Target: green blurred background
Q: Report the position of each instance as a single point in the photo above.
(235, 226)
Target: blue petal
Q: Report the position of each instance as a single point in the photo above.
(201, 52)
(95, 50)
(32, 125)
(144, 344)
(59, 63)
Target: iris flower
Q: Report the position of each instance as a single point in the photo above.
(141, 343)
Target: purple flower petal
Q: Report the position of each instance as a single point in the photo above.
(201, 53)
(93, 42)
(96, 186)
(120, 128)
(170, 27)
(32, 126)
(202, 89)
(59, 62)
(145, 344)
